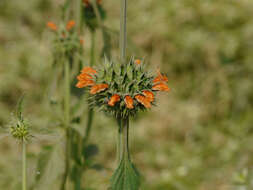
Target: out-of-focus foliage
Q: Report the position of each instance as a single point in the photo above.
(198, 137)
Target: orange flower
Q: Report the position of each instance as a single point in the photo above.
(99, 2)
(86, 2)
(114, 99)
(160, 78)
(86, 77)
(98, 88)
(81, 41)
(70, 24)
(52, 26)
(137, 61)
(161, 87)
(143, 100)
(85, 83)
(129, 102)
(89, 70)
(149, 95)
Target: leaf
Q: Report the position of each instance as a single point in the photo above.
(126, 176)
(76, 175)
(44, 157)
(20, 108)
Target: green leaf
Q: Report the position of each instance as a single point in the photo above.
(43, 161)
(20, 108)
(126, 176)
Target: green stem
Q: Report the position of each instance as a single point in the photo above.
(91, 112)
(119, 143)
(66, 122)
(79, 18)
(99, 19)
(24, 165)
(123, 137)
(123, 30)
(92, 51)
(89, 124)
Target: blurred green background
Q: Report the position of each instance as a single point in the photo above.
(197, 138)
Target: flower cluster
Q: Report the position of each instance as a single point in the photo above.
(89, 14)
(66, 39)
(122, 89)
(20, 130)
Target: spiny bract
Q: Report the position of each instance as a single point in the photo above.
(122, 89)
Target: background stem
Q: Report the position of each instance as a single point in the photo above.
(123, 31)
(92, 62)
(92, 51)
(66, 121)
(24, 165)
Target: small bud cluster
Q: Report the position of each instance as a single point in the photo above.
(66, 39)
(20, 130)
(122, 89)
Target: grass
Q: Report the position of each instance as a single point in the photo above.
(201, 133)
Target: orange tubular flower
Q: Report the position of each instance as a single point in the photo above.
(52, 26)
(82, 84)
(99, 2)
(161, 87)
(160, 78)
(149, 95)
(89, 70)
(98, 88)
(70, 24)
(137, 61)
(86, 2)
(81, 41)
(129, 102)
(143, 100)
(114, 99)
(86, 77)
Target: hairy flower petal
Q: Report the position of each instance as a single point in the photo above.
(143, 100)
(52, 26)
(114, 99)
(129, 102)
(84, 76)
(98, 88)
(137, 61)
(149, 95)
(89, 70)
(82, 84)
(70, 24)
(160, 78)
(161, 87)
